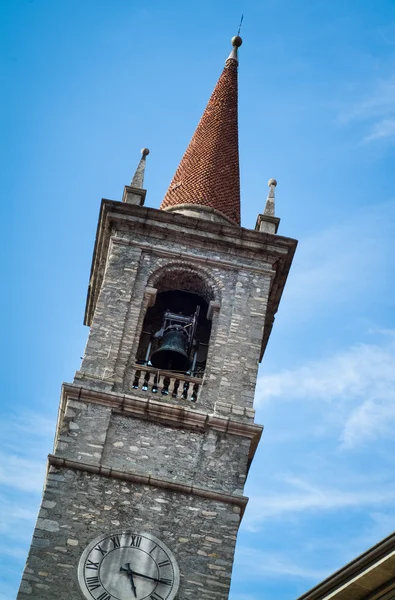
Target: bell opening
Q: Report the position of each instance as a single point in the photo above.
(176, 334)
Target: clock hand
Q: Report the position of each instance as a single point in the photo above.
(130, 573)
(147, 577)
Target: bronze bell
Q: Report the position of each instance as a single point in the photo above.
(172, 354)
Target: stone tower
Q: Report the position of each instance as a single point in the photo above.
(144, 491)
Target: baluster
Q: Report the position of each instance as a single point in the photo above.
(136, 380)
(184, 394)
(195, 392)
(146, 381)
(175, 388)
(156, 383)
(171, 386)
(165, 386)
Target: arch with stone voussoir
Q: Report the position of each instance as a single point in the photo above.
(188, 277)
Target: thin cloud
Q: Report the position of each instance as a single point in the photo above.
(16, 526)
(331, 266)
(359, 382)
(301, 497)
(376, 111)
(360, 369)
(381, 130)
(258, 563)
(378, 103)
(21, 473)
(22, 466)
(374, 418)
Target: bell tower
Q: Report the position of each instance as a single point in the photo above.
(144, 490)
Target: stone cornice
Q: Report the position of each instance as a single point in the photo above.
(172, 486)
(177, 416)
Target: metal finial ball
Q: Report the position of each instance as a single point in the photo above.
(145, 151)
(237, 41)
(272, 182)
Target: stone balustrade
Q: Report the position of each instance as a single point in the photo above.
(168, 383)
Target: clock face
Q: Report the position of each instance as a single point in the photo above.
(128, 566)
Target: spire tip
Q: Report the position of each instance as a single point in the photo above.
(145, 151)
(272, 182)
(237, 41)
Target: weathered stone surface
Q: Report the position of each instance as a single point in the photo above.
(179, 522)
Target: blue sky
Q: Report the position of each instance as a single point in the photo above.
(85, 86)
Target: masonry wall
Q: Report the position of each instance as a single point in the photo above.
(77, 507)
(95, 435)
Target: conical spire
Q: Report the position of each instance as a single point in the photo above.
(138, 177)
(208, 174)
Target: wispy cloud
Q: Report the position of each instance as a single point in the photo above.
(258, 563)
(382, 130)
(16, 527)
(376, 111)
(373, 418)
(25, 439)
(22, 465)
(299, 496)
(361, 369)
(342, 263)
(21, 473)
(358, 381)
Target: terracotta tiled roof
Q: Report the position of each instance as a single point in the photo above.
(208, 173)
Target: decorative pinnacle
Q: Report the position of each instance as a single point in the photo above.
(236, 43)
(138, 177)
(269, 206)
